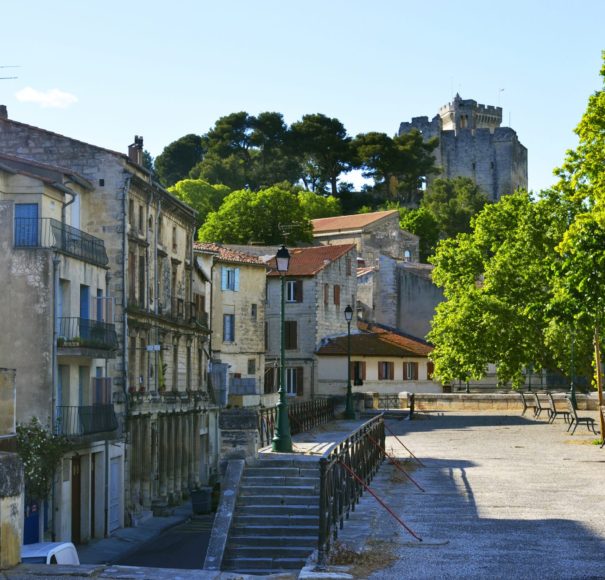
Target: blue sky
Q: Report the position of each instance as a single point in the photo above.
(162, 70)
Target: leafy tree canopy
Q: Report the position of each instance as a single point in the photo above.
(267, 216)
(316, 206)
(422, 223)
(177, 159)
(200, 195)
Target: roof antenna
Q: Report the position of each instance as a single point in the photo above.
(9, 66)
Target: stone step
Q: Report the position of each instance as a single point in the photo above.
(282, 520)
(274, 481)
(243, 539)
(270, 551)
(272, 472)
(246, 489)
(278, 500)
(266, 565)
(268, 530)
(278, 510)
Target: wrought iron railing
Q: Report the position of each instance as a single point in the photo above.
(86, 420)
(81, 332)
(303, 416)
(51, 233)
(361, 453)
(388, 401)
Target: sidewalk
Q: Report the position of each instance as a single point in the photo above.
(124, 540)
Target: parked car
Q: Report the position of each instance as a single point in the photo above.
(50, 553)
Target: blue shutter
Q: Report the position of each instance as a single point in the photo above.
(223, 278)
(26, 224)
(236, 283)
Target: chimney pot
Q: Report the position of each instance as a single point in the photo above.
(3, 112)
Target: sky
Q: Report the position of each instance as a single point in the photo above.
(103, 72)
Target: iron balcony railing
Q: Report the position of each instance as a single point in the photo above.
(86, 420)
(80, 332)
(51, 233)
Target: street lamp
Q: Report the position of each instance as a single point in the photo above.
(349, 410)
(572, 383)
(282, 441)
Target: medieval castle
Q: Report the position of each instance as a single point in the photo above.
(473, 144)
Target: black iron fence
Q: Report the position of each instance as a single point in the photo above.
(361, 454)
(81, 332)
(86, 420)
(303, 417)
(51, 233)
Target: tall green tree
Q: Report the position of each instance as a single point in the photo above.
(269, 216)
(422, 223)
(324, 149)
(177, 159)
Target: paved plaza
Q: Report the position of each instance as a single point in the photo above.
(506, 497)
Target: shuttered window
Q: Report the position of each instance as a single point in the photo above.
(336, 294)
(294, 381)
(410, 371)
(430, 369)
(386, 371)
(291, 335)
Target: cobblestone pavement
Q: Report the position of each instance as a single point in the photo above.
(506, 497)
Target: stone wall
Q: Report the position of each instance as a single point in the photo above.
(11, 509)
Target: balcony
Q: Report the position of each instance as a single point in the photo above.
(51, 233)
(86, 334)
(86, 420)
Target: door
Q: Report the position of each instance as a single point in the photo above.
(26, 224)
(31, 522)
(76, 500)
(115, 492)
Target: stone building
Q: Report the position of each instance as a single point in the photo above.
(320, 283)
(158, 378)
(373, 234)
(473, 144)
(58, 334)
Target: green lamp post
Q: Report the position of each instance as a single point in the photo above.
(282, 441)
(349, 409)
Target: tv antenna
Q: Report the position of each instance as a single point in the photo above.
(9, 66)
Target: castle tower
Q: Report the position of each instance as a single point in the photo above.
(473, 144)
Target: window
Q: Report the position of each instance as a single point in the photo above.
(251, 366)
(131, 213)
(358, 371)
(142, 275)
(294, 292)
(348, 265)
(141, 219)
(291, 335)
(271, 379)
(230, 279)
(228, 327)
(386, 371)
(326, 293)
(410, 371)
(430, 369)
(294, 381)
(337, 294)
(174, 244)
(175, 366)
(253, 311)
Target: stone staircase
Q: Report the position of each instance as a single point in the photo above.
(276, 519)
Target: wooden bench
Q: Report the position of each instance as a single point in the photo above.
(529, 402)
(554, 411)
(575, 420)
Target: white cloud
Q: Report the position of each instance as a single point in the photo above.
(50, 99)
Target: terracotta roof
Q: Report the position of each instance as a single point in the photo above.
(392, 335)
(386, 343)
(309, 261)
(349, 222)
(227, 255)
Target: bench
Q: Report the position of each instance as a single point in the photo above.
(529, 402)
(554, 412)
(575, 420)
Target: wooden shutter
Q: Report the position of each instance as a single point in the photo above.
(405, 372)
(363, 371)
(326, 293)
(298, 290)
(223, 278)
(291, 335)
(415, 369)
(299, 382)
(391, 371)
(381, 370)
(336, 294)
(236, 280)
(430, 369)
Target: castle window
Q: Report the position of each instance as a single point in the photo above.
(473, 166)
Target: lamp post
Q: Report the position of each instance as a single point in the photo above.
(349, 410)
(572, 383)
(282, 441)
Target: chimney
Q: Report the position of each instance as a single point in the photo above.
(3, 112)
(135, 151)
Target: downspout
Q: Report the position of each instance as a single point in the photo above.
(125, 298)
(54, 379)
(156, 284)
(106, 489)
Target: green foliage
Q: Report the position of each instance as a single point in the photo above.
(177, 159)
(41, 452)
(268, 216)
(200, 195)
(499, 285)
(452, 203)
(318, 206)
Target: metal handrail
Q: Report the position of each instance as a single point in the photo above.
(303, 416)
(86, 420)
(51, 233)
(339, 490)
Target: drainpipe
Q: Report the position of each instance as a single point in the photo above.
(54, 377)
(106, 488)
(125, 297)
(156, 283)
